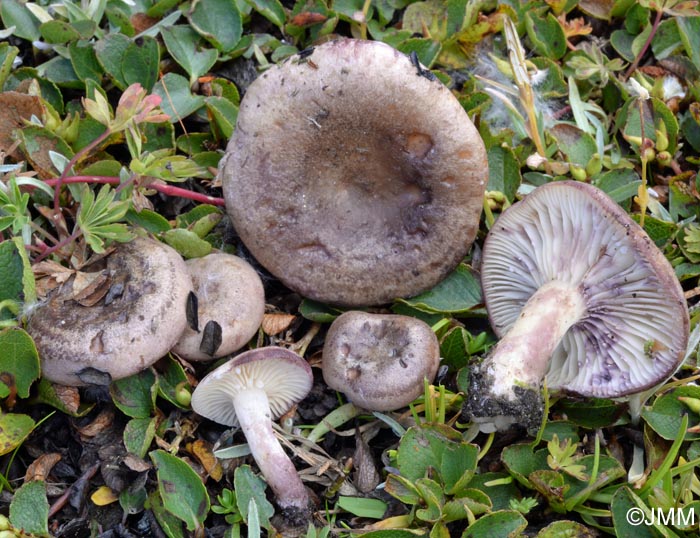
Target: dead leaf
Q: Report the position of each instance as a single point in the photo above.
(102, 422)
(41, 467)
(276, 323)
(69, 396)
(203, 452)
(135, 463)
(15, 109)
(89, 288)
(307, 18)
(103, 496)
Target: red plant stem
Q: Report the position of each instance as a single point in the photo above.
(646, 46)
(168, 190)
(92, 145)
(62, 243)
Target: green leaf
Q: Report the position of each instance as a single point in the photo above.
(272, 10)
(689, 28)
(97, 217)
(224, 113)
(426, 49)
(566, 529)
(19, 360)
(171, 525)
(362, 507)
(219, 21)
(84, 61)
(459, 293)
(627, 509)
(139, 434)
(110, 53)
(7, 58)
(14, 429)
(171, 376)
(46, 393)
(29, 509)
(177, 98)
(504, 171)
(14, 13)
(17, 282)
(666, 414)
(140, 62)
(546, 34)
(135, 395)
(181, 489)
(500, 524)
(577, 145)
(187, 243)
(57, 32)
(318, 312)
(185, 46)
(249, 488)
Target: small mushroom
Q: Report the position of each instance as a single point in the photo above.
(136, 320)
(251, 390)
(230, 303)
(379, 361)
(581, 295)
(353, 176)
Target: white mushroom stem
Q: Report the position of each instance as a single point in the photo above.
(521, 357)
(253, 412)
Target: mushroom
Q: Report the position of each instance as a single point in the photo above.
(354, 175)
(581, 295)
(379, 361)
(250, 391)
(230, 304)
(135, 315)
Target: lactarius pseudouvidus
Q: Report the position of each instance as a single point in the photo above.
(227, 308)
(250, 391)
(354, 175)
(580, 294)
(137, 320)
(380, 361)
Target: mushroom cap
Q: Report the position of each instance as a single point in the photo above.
(137, 322)
(635, 330)
(282, 374)
(351, 177)
(229, 292)
(379, 361)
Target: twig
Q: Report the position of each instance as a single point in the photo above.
(646, 46)
(163, 188)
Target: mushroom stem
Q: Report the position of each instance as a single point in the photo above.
(505, 388)
(253, 412)
(522, 356)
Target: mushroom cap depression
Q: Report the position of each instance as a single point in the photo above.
(634, 331)
(230, 293)
(282, 374)
(353, 175)
(379, 361)
(139, 319)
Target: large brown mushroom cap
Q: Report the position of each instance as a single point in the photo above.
(229, 293)
(353, 177)
(379, 360)
(633, 331)
(137, 321)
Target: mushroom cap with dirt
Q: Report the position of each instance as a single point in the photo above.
(141, 314)
(230, 304)
(379, 361)
(250, 391)
(354, 175)
(581, 295)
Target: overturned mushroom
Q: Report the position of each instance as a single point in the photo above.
(379, 361)
(251, 390)
(137, 316)
(353, 176)
(580, 295)
(229, 307)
